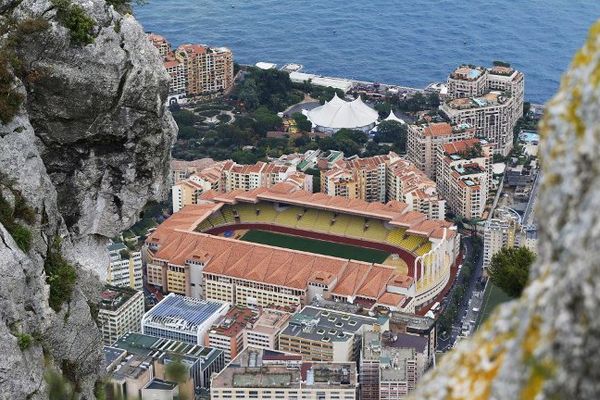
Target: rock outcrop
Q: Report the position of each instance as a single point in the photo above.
(545, 344)
(88, 147)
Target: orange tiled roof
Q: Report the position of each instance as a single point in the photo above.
(438, 129)
(459, 146)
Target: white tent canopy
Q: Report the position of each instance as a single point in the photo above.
(393, 117)
(338, 114)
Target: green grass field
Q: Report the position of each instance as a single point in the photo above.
(316, 246)
(492, 296)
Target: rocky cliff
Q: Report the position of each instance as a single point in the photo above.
(84, 145)
(546, 344)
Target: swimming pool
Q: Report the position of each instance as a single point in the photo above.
(529, 137)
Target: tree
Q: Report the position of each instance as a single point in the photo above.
(302, 122)
(265, 120)
(392, 132)
(509, 269)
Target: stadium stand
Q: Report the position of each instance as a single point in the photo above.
(375, 231)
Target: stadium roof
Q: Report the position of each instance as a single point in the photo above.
(338, 114)
(395, 213)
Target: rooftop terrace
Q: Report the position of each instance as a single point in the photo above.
(327, 325)
(113, 297)
(258, 368)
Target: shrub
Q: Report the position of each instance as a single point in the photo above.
(10, 99)
(75, 19)
(24, 341)
(60, 275)
(21, 235)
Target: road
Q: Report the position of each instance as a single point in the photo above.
(528, 215)
(465, 312)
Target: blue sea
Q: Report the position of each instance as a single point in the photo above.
(405, 42)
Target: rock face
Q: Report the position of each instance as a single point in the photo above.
(546, 344)
(89, 147)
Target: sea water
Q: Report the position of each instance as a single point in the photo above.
(405, 42)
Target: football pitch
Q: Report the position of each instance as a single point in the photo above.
(316, 246)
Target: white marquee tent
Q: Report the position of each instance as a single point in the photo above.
(337, 114)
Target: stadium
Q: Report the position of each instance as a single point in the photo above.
(281, 246)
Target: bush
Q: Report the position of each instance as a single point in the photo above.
(60, 275)
(21, 235)
(24, 340)
(10, 99)
(75, 19)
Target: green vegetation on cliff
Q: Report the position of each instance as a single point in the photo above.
(60, 275)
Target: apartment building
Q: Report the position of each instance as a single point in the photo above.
(164, 48)
(491, 100)
(502, 231)
(423, 140)
(196, 69)
(137, 364)
(242, 327)
(228, 176)
(327, 335)
(268, 374)
(125, 267)
(464, 176)
(383, 178)
(390, 365)
(406, 183)
(181, 318)
(182, 169)
(208, 69)
(120, 311)
(358, 178)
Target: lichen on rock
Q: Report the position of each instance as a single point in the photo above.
(88, 147)
(546, 344)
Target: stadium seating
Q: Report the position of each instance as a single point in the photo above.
(204, 225)
(247, 212)
(323, 222)
(227, 212)
(341, 224)
(308, 220)
(356, 228)
(217, 219)
(267, 213)
(376, 232)
(395, 236)
(411, 242)
(423, 249)
(288, 217)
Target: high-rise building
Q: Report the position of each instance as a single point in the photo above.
(406, 183)
(182, 318)
(390, 365)
(120, 311)
(464, 176)
(195, 69)
(125, 267)
(269, 374)
(208, 69)
(491, 100)
(228, 176)
(423, 140)
(383, 178)
(502, 231)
